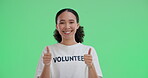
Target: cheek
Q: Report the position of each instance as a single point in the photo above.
(60, 27)
(74, 27)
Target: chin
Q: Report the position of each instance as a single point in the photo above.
(67, 37)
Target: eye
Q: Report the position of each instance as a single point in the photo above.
(61, 22)
(71, 22)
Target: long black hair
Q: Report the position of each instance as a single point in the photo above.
(79, 35)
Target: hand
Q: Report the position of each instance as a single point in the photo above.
(47, 57)
(88, 58)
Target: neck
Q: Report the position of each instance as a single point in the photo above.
(68, 41)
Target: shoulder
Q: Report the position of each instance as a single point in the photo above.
(50, 47)
(88, 46)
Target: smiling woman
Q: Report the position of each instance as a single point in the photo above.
(69, 58)
(74, 20)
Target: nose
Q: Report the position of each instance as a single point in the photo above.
(67, 26)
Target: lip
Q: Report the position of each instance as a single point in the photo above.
(67, 32)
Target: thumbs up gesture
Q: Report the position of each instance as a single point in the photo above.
(88, 58)
(47, 57)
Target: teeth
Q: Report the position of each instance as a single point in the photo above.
(66, 32)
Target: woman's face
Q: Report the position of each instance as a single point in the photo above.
(67, 25)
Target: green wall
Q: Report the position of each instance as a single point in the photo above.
(117, 29)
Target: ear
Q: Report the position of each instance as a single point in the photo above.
(56, 26)
(78, 25)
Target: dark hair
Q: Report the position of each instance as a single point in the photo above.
(79, 35)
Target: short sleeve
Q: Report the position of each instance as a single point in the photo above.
(96, 62)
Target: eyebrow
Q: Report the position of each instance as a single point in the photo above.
(64, 20)
(71, 20)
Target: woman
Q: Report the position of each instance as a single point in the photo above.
(69, 58)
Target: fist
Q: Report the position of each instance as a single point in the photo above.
(47, 57)
(88, 58)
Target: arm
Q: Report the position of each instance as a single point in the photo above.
(47, 62)
(91, 68)
(92, 72)
(46, 72)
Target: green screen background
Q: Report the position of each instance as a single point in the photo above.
(117, 29)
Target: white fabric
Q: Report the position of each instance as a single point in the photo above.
(68, 61)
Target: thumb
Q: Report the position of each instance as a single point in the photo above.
(47, 49)
(89, 52)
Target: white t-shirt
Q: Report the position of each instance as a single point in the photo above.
(68, 61)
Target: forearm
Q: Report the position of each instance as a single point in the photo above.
(92, 72)
(45, 72)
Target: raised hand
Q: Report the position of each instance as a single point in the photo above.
(47, 57)
(88, 58)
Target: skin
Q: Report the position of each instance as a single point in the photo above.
(66, 22)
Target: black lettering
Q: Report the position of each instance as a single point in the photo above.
(74, 58)
(66, 58)
(58, 59)
(63, 59)
(54, 60)
(79, 58)
(71, 58)
(82, 58)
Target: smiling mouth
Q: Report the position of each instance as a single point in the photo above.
(67, 32)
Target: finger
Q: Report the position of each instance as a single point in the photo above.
(89, 52)
(87, 59)
(47, 49)
(87, 56)
(45, 57)
(47, 54)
